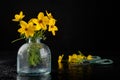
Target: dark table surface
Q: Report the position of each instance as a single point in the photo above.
(64, 72)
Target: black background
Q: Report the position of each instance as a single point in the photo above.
(88, 26)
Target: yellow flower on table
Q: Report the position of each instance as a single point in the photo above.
(26, 29)
(60, 65)
(19, 16)
(72, 58)
(89, 57)
(81, 56)
(60, 58)
(77, 58)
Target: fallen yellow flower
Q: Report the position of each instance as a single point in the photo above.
(74, 58)
(89, 57)
(60, 58)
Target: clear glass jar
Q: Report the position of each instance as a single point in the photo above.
(34, 58)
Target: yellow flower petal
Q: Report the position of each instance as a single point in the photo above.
(53, 29)
(19, 17)
(21, 31)
(23, 24)
(45, 20)
(40, 15)
(49, 15)
(52, 21)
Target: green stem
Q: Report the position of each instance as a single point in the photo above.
(17, 40)
(34, 56)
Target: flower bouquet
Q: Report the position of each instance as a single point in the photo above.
(34, 56)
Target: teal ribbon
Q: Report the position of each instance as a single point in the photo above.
(99, 60)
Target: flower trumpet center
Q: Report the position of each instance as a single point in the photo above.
(26, 29)
(52, 26)
(40, 21)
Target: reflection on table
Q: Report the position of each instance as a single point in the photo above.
(41, 77)
(74, 71)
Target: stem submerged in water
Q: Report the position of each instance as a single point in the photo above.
(34, 54)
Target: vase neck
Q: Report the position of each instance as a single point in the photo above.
(36, 40)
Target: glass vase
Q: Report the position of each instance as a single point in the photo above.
(34, 58)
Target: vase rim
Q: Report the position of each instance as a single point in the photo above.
(34, 40)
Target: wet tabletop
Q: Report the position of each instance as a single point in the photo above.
(63, 71)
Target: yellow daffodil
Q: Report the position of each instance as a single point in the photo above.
(35, 22)
(52, 26)
(41, 21)
(89, 57)
(27, 29)
(60, 58)
(76, 58)
(19, 17)
(73, 58)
